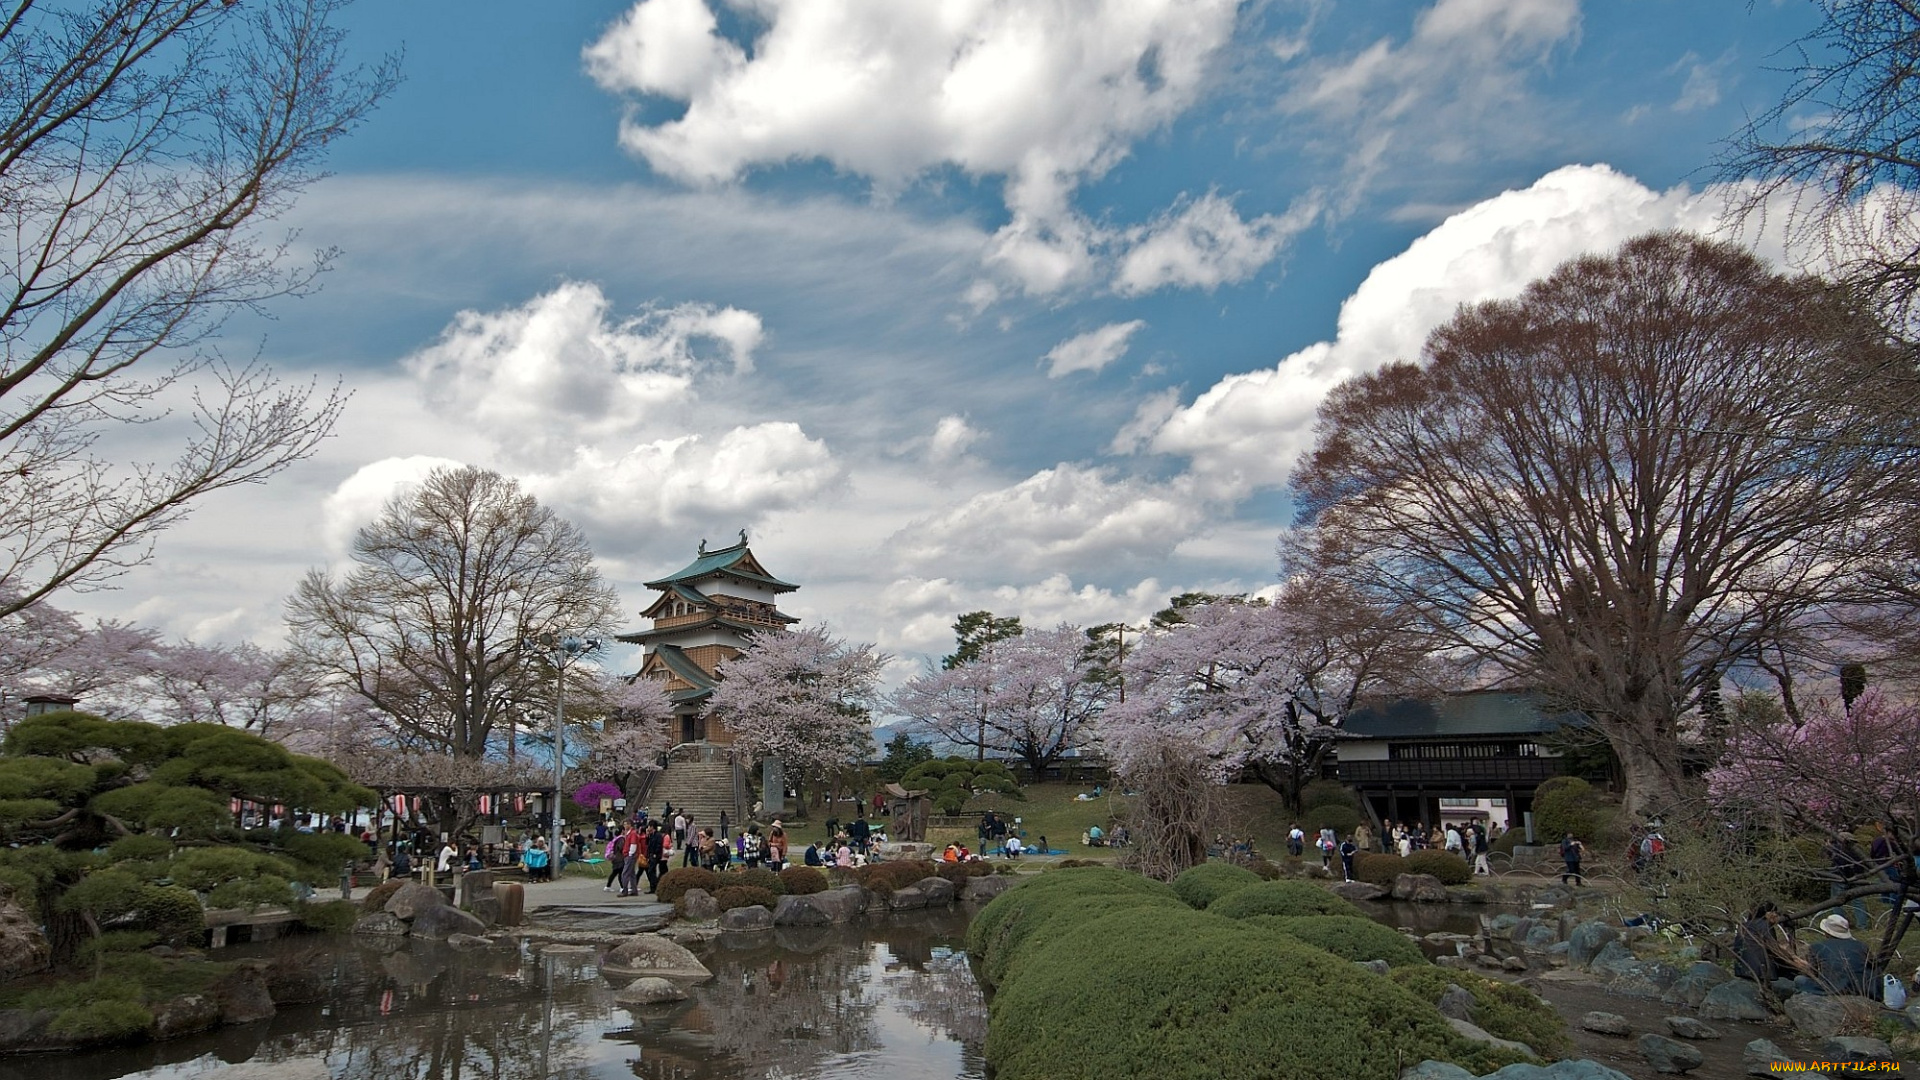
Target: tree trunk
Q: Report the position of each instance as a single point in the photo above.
(1651, 765)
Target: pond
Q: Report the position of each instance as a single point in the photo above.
(888, 999)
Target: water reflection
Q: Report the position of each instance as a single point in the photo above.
(889, 1000)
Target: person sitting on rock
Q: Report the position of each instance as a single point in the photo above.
(1762, 948)
(1838, 964)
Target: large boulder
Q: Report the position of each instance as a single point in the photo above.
(1855, 1049)
(23, 1029)
(381, 924)
(800, 911)
(1587, 940)
(651, 990)
(1456, 1002)
(23, 948)
(441, 923)
(1436, 1070)
(1419, 889)
(752, 917)
(412, 899)
(1761, 1055)
(1613, 960)
(185, 1015)
(1669, 1055)
(699, 905)
(650, 954)
(1542, 936)
(1736, 1000)
(1362, 890)
(1815, 1014)
(845, 903)
(242, 993)
(939, 891)
(1686, 1027)
(1469, 1030)
(982, 889)
(907, 899)
(1606, 1023)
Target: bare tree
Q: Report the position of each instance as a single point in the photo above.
(434, 627)
(142, 144)
(1614, 487)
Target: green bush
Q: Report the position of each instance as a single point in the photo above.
(1378, 869)
(1507, 841)
(1567, 804)
(885, 877)
(1451, 869)
(1319, 793)
(1340, 818)
(736, 896)
(1281, 898)
(105, 1021)
(321, 854)
(1500, 1008)
(1175, 994)
(329, 917)
(675, 883)
(174, 914)
(1347, 936)
(803, 880)
(377, 897)
(1199, 886)
(991, 926)
(758, 878)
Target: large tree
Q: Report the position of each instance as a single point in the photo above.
(1031, 695)
(143, 144)
(1613, 487)
(437, 625)
(804, 696)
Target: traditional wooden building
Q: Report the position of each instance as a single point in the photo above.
(1414, 759)
(701, 619)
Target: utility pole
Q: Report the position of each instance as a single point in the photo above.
(564, 652)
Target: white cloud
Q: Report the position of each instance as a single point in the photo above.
(1702, 88)
(1092, 350)
(1203, 243)
(358, 499)
(1247, 430)
(544, 375)
(1044, 93)
(951, 437)
(1148, 418)
(1060, 518)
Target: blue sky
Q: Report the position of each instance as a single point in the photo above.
(1014, 305)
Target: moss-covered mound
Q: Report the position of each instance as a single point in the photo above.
(1346, 936)
(1502, 1009)
(1048, 902)
(1281, 898)
(1200, 886)
(1152, 989)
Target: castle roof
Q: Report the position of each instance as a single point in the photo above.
(682, 665)
(736, 561)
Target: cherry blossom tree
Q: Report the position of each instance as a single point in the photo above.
(1033, 695)
(630, 736)
(803, 696)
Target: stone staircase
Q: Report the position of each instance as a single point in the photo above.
(704, 788)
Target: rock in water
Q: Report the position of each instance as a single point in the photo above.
(651, 954)
(699, 905)
(1670, 1056)
(1606, 1023)
(651, 990)
(439, 923)
(751, 917)
(412, 899)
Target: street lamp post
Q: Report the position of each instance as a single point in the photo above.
(564, 650)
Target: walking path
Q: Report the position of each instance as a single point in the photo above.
(572, 891)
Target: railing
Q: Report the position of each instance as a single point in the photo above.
(1469, 772)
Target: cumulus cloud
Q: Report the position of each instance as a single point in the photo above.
(950, 439)
(1058, 518)
(919, 611)
(357, 501)
(1045, 95)
(558, 369)
(1092, 350)
(1204, 243)
(1247, 430)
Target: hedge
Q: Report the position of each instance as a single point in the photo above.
(803, 880)
(1348, 936)
(1342, 819)
(1451, 869)
(1035, 897)
(1500, 1008)
(1378, 869)
(1199, 886)
(885, 877)
(675, 883)
(757, 878)
(738, 896)
(1281, 898)
(1157, 990)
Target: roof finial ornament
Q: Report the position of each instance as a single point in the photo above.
(703, 545)
(743, 537)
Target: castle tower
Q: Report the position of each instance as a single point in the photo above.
(702, 619)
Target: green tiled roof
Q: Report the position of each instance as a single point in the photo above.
(682, 665)
(690, 594)
(720, 562)
(1479, 713)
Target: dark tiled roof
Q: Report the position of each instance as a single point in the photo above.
(1481, 712)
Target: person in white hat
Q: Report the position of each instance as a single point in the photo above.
(1837, 964)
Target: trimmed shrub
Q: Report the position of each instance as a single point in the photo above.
(1180, 995)
(989, 928)
(758, 878)
(1342, 819)
(1378, 869)
(1347, 936)
(175, 914)
(1451, 869)
(1281, 898)
(1199, 886)
(1319, 793)
(675, 883)
(803, 880)
(377, 897)
(1507, 841)
(733, 896)
(1500, 1008)
(1566, 804)
(885, 877)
